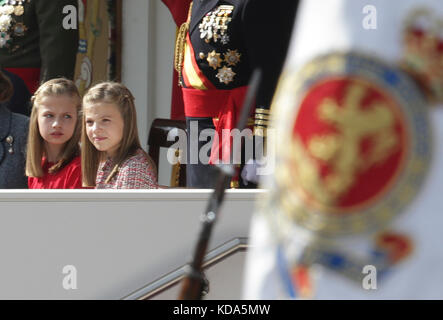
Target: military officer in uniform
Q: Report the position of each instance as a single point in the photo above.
(34, 43)
(217, 50)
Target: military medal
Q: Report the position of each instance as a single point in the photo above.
(9, 27)
(19, 10)
(214, 60)
(232, 57)
(225, 39)
(225, 75)
(5, 22)
(215, 24)
(205, 28)
(214, 27)
(7, 10)
(4, 40)
(20, 29)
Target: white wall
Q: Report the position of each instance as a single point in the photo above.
(117, 240)
(147, 62)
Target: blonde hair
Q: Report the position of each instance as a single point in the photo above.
(36, 147)
(117, 94)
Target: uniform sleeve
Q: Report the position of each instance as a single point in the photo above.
(267, 27)
(58, 46)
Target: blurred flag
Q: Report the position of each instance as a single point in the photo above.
(354, 209)
(179, 10)
(97, 55)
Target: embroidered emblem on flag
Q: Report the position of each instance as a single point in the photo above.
(360, 144)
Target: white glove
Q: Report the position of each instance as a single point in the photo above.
(249, 172)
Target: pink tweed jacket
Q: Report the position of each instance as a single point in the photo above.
(136, 172)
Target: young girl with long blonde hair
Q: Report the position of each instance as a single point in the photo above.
(112, 157)
(53, 154)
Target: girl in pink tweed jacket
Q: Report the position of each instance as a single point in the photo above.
(112, 157)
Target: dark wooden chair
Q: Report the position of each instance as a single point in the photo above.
(158, 139)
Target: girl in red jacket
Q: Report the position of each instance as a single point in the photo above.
(53, 155)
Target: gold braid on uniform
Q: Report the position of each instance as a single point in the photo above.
(179, 50)
(261, 121)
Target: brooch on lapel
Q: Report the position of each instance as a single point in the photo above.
(10, 141)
